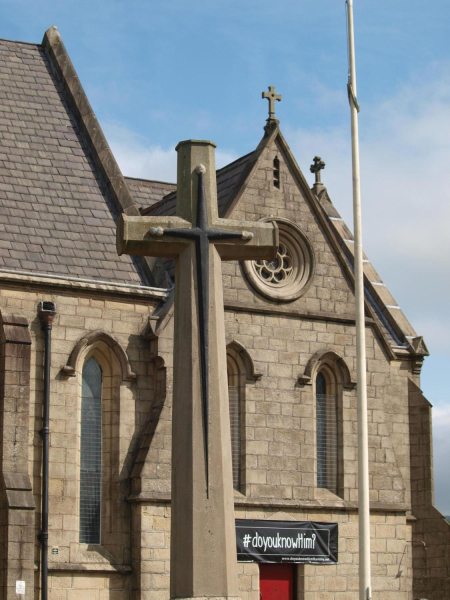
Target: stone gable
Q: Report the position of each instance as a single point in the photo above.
(330, 291)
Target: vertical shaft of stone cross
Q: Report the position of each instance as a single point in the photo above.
(203, 547)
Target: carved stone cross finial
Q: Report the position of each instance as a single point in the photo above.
(318, 165)
(271, 97)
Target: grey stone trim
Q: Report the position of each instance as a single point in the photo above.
(101, 152)
(90, 567)
(292, 312)
(18, 491)
(70, 369)
(325, 505)
(38, 281)
(251, 373)
(348, 378)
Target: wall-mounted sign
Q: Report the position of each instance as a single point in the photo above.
(20, 588)
(286, 541)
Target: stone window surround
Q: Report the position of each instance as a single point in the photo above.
(300, 251)
(328, 371)
(240, 372)
(116, 370)
(329, 366)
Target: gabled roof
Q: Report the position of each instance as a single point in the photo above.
(394, 329)
(230, 180)
(230, 183)
(61, 190)
(391, 319)
(146, 192)
(55, 214)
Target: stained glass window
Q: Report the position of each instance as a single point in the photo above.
(91, 453)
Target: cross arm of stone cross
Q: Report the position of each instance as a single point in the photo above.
(148, 236)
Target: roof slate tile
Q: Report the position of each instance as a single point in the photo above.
(50, 192)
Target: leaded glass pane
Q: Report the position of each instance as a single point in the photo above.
(326, 436)
(235, 423)
(91, 453)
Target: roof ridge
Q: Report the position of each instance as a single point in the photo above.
(236, 161)
(19, 43)
(149, 180)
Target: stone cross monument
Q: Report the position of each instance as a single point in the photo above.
(203, 546)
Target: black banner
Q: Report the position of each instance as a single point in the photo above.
(286, 541)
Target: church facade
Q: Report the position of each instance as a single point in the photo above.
(291, 361)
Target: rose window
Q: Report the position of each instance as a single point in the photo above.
(277, 270)
(288, 275)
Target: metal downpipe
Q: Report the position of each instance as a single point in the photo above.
(47, 312)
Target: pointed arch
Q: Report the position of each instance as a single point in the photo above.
(80, 348)
(328, 356)
(329, 375)
(238, 352)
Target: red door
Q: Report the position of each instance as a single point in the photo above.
(276, 581)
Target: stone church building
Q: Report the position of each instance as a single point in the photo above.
(290, 334)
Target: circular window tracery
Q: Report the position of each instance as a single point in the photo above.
(286, 277)
(277, 270)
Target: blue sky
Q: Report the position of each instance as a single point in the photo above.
(160, 72)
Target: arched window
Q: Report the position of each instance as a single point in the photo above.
(235, 395)
(241, 371)
(91, 454)
(326, 430)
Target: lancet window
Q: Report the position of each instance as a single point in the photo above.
(276, 172)
(91, 454)
(235, 395)
(327, 431)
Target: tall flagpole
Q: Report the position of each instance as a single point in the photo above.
(365, 591)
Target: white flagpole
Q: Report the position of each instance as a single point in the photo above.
(365, 590)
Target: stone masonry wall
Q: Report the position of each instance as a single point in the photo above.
(280, 448)
(391, 556)
(431, 532)
(126, 407)
(17, 505)
(280, 419)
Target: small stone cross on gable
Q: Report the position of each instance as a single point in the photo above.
(203, 547)
(271, 97)
(318, 166)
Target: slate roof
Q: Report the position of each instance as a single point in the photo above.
(230, 180)
(55, 212)
(61, 189)
(146, 192)
(395, 327)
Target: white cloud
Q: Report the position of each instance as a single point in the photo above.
(405, 153)
(405, 177)
(138, 159)
(441, 439)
